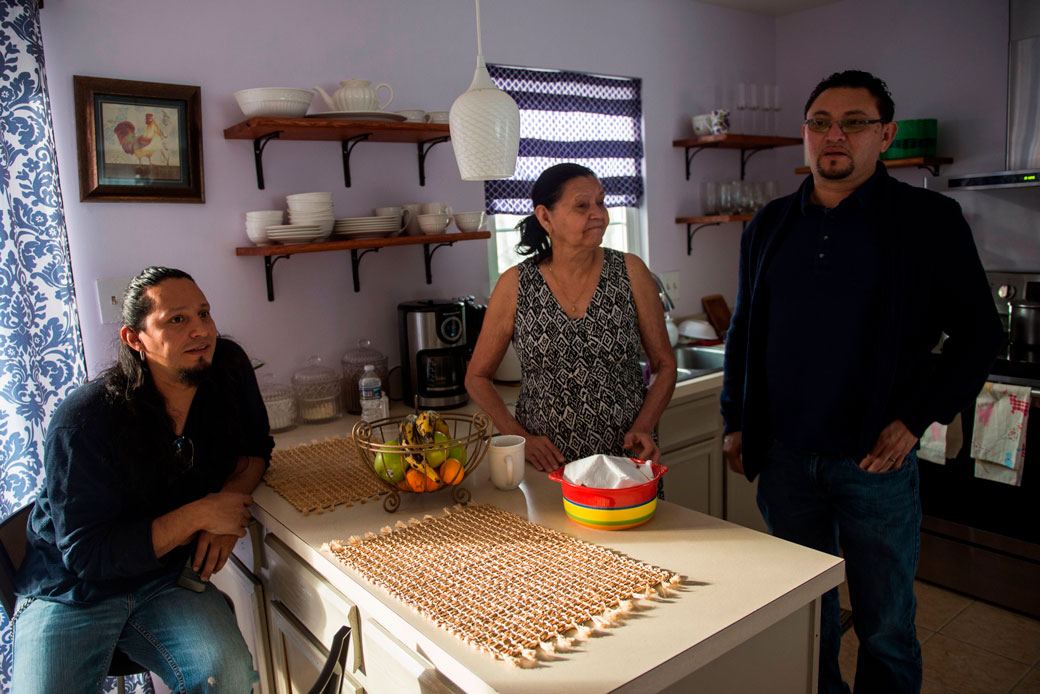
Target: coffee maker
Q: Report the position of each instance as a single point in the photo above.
(433, 353)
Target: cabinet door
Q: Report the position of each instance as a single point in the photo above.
(247, 595)
(689, 478)
(298, 655)
(689, 422)
(741, 507)
(393, 668)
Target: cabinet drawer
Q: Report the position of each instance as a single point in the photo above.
(390, 666)
(314, 601)
(299, 656)
(689, 422)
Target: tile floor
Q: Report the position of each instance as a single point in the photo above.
(968, 646)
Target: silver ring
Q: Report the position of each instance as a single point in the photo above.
(891, 460)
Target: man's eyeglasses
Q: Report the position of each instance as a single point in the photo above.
(183, 453)
(846, 125)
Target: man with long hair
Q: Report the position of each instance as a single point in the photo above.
(148, 469)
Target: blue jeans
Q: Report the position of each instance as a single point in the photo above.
(827, 502)
(189, 639)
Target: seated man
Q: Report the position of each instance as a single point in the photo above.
(148, 470)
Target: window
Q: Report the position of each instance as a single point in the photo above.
(592, 120)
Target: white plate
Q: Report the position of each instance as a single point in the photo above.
(360, 115)
(292, 227)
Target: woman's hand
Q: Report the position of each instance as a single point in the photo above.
(641, 445)
(541, 453)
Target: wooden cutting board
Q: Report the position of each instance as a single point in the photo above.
(718, 313)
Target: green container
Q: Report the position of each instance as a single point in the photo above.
(914, 138)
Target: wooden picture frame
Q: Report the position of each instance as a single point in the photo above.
(138, 141)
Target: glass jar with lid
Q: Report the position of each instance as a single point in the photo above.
(280, 404)
(353, 362)
(317, 390)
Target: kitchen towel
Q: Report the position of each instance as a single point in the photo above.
(942, 441)
(320, 475)
(498, 582)
(999, 442)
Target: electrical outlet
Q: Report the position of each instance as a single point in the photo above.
(110, 298)
(671, 283)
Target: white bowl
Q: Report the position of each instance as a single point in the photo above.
(327, 197)
(470, 221)
(304, 206)
(433, 223)
(274, 101)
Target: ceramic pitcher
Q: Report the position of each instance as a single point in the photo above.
(356, 95)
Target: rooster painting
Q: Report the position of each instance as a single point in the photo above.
(143, 146)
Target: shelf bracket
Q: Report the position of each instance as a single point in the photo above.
(689, 158)
(690, 231)
(258, 155)
(745, 155)
(269, 262)
(428, 256)
(355, 262)
(930, 168)
(424, 148)
(348, 145)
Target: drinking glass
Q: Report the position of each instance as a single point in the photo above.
(729, 200)
(710, 197)
(753, 104)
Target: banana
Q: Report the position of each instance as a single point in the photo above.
(424, 425)
(440, 425)
(407, 433)
(415, 459)
(429, 471)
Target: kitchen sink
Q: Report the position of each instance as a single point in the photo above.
(696, 360)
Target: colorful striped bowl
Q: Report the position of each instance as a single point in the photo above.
(610, 509)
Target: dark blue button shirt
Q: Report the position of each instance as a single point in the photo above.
(823, 314)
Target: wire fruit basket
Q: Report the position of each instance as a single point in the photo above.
(423, 452)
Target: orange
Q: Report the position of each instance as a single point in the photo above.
(416, 480)
(403, 484)
(451, 471)
(432, 484)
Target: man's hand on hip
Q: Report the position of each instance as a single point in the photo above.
(211, 553)
(733, 451)
(894, 442)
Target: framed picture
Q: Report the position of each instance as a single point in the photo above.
(138, 141)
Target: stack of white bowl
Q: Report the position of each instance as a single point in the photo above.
(257, 223)
(312, 208)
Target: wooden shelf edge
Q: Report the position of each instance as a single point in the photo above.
(900, 163)
(319, 247)
(335, 129)
(737, 141)
(714, 219)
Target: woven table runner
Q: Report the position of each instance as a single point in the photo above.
(503, 585)
(318, 476)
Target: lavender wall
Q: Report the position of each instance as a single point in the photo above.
(941, 59)
(426, 51)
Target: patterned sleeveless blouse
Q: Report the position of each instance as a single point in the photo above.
(582, 385)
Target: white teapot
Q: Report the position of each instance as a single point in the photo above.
(356, 95)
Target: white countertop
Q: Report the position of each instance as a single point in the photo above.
(736, 582)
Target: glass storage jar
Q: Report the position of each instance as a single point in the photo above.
(280, 404)
(317, 391)
(353, 362)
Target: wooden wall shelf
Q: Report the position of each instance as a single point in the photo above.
(747, 144)
(348, 132)
(932, 164)
(273, 253)
(712, 220)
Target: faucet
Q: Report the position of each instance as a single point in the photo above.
(666, 300)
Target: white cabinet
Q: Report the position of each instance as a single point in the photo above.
(393, 668)
(299, 656)
(690, 475)
(246, 593)
(741, 506)
(690, 433)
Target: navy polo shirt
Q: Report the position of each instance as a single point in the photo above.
(823, 286)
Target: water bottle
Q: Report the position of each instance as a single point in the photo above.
(371, 392)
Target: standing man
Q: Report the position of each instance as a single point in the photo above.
(148, 470)
(845, 288)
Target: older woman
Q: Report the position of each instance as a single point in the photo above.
(577, 315)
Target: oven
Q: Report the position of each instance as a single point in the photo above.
(978, 536)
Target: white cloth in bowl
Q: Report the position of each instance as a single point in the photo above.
(606, 472)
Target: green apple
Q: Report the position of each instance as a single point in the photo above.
(390, 466)
(458, 453)
(436, 457)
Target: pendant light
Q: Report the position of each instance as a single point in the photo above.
(485, 126)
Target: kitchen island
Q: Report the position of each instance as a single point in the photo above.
(745, 618)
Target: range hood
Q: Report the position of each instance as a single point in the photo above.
(1023, 132)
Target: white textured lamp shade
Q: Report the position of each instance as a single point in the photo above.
(485, 130)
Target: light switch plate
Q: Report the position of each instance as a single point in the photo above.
(110, 298)
(671, 283)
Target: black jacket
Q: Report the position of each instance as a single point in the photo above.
(932, 283)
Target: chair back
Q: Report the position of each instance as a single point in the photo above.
(12, 552)
(330, 681)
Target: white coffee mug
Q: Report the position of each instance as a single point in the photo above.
(437, 117)
(435, 208)
(412, 225)
(506, 460)
(412, 115)
(395, 210)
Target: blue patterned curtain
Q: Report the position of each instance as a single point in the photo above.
(590, 120)
(41, 350)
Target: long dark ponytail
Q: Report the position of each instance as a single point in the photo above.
(546, 191)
